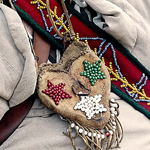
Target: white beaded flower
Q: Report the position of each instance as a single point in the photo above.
(90, 105)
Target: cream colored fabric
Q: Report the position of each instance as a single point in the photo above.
(135, 125)
(42, 130)
(128, 21)
(17, 65)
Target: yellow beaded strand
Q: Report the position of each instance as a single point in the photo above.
(125, 83)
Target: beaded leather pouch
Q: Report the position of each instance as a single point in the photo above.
(78, 88)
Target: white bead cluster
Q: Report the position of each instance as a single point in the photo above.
(86, 133)
(90, 105)
(103, 133)
(113, 111)
(113, 107)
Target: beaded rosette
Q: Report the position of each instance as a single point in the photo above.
(78, 88)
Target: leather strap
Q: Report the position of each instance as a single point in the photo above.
(41, 48)
(70, 31)
(13, 117)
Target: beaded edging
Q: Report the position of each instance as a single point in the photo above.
(108, 137)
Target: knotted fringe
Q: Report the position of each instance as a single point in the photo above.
(108, 137)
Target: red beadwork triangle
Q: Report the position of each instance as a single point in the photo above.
(56, 92)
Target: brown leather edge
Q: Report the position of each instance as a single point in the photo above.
(13, 118)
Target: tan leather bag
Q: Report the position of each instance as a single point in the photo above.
(78, 88)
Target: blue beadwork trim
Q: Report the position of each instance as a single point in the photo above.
(51, 28)
(130, 101)
(14, 1)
